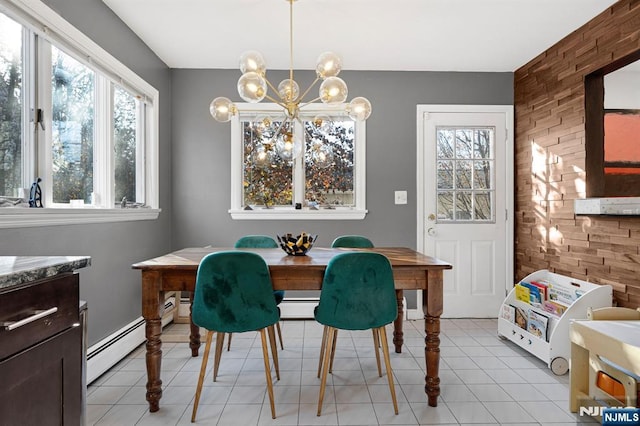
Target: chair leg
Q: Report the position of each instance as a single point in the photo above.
(274, 350)
(218, 354)
(267, 372)
(333, 349)
(203, 370)
(327, 355)
(322, 346)
(229, 342)
(376, 344)
(280, 335)
(387, 363)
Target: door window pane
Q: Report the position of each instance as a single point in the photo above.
(445, 138)
(468, 197)
(72, 128)
(445, 174)
(328, 161)
(125, 135)
(464, 142)
(11, 104)
(463, 174)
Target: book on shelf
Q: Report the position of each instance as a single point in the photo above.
(544, 289)
(521, 318)
(561, 294)
(553, 307)
(535, 298)
(508, 312)
(522, 293)
(537, 324)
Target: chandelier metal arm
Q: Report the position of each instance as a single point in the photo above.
(309, 102)
(276, 101)
(304, 128)
(277, 132)
(301, 97)
(271, 86)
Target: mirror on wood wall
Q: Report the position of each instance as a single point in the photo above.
(612, 125)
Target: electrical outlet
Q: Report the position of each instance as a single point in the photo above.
(401, 197)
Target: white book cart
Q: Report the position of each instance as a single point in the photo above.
(556, 352)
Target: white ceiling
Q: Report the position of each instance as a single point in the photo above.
(412, 35)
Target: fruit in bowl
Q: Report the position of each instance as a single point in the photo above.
(296, 245)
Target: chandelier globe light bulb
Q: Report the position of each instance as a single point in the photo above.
(329, 65)
(253, 61)
(252, 87)
(288, 90)
(222, 109)
(359, 108)
(333, 90)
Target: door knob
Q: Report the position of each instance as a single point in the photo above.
(431, 232)
(431, 217)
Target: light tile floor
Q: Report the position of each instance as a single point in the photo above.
(483, 380)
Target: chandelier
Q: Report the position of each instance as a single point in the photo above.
(253, 87)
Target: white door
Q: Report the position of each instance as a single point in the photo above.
(465, 174)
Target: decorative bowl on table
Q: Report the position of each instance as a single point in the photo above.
(296, 245)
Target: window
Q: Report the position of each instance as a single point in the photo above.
(465, 169)
(75, 117)
(11, 104)
(611, 116)
(314, 168)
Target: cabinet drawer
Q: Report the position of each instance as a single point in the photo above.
(37, 311)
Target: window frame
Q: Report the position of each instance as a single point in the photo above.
(51, 28)
(356, 212)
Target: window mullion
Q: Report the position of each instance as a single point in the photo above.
(298, 164)
(43, 133)
(141, 143)
(103, 179)
(29, 130)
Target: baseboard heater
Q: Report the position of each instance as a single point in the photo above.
(298, 308)
(302, 308)
(110, 350)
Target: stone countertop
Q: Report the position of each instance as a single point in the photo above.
(17, 270)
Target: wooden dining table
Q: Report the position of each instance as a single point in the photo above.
(177, 272)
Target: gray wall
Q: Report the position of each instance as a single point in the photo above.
(201, 152)
(110, 287)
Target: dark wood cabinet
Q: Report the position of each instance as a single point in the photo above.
(41, 353)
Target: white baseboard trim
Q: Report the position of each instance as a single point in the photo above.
(110, 350)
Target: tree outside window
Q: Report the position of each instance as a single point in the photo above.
(327, 162)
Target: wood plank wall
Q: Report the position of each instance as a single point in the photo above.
(550, 161)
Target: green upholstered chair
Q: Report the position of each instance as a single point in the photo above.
(355, 241)
(234, 294)
(347, 241)
(358, 293)
(261, 241)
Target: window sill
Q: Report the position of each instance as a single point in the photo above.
(292, 214)
(18, 217)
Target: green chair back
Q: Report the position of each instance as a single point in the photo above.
(354, 241)
(358, 292)
(233, 293)
(261, 241)
(256, 241)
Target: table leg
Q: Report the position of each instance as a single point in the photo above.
(432, 307)
(398, 334)
(152, 311)
(194, 335)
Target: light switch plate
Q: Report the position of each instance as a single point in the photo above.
(401, 197)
